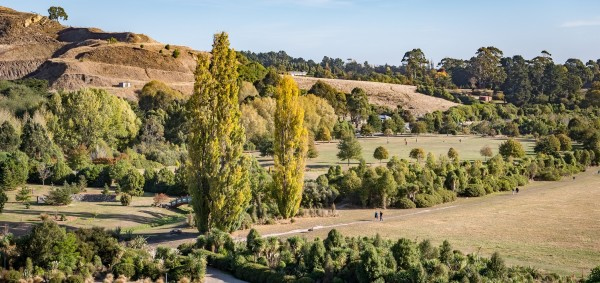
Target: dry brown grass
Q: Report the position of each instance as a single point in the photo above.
(390, 95)
(552, 226)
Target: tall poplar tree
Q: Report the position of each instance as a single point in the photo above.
(218, 170)
(289, 146)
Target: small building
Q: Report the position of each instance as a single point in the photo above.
(384, 117)
(485, 98)
(298, 74)
(124, 84)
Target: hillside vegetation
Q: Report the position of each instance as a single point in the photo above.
(385, 94)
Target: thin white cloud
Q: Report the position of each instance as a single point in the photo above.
(581, 23)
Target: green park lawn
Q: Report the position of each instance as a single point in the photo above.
(467, 146)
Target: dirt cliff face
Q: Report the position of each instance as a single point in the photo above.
(71, 58)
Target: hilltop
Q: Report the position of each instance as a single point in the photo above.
(70, 58)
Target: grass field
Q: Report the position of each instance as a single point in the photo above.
(467, 146)
(139, 216)
(553, 226)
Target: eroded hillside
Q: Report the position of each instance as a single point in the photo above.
(71, 58)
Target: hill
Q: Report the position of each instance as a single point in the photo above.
(390, 95)
(70, 58)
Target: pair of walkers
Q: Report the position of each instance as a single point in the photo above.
(379, 215)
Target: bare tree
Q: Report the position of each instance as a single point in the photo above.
(44, 171)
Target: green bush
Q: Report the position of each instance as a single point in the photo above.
(405, 203)
(427, 200)
(125, 199)
(474, 190)
(59, 196)
(446, 195)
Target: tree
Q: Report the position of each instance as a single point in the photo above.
(13, 170)
(366, 130)
(44, 171)
(381, 153)
(417, 153)
(517, 87)
(349, 148)
(548, 144)
(592, 96)
(89, 117)
(453, 154)
(217, 169)
(387, 187)
(415, 63)
(57, 13)
(9, 139)
(486, 69)
(486, 151)
(358, 105)
(512, 148)
(289, 147)
(324, 134)
(419, 128)
(132, 182)
(3, 200)
(24, 195)
(388, 133)
(312, 151)
(35, 142)
(336, 99)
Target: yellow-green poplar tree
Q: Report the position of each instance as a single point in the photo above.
(218, 170)
(289, 146)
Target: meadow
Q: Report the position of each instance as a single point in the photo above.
(468, 147)
(551, 226)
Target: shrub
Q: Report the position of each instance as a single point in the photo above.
(12, 276)
(405, 203)
(176, 53)
(59, 196)
(125, 199)
(75, 279)
(427, 200)
(474, 190)
(132, 182)
(446, 195)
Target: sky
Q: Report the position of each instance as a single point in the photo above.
(377, 31)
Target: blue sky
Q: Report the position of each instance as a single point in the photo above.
(379, 31)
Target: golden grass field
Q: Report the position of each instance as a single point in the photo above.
(553, 226)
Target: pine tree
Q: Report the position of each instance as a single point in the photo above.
(218, 170)
(289, 146)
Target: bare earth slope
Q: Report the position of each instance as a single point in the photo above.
(390, 95)
(71, 58)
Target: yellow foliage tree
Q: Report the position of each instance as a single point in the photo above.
(289, 146)
(218, 169)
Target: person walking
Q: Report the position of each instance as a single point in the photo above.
(517, 190)
(380, 216)
(376, 215)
